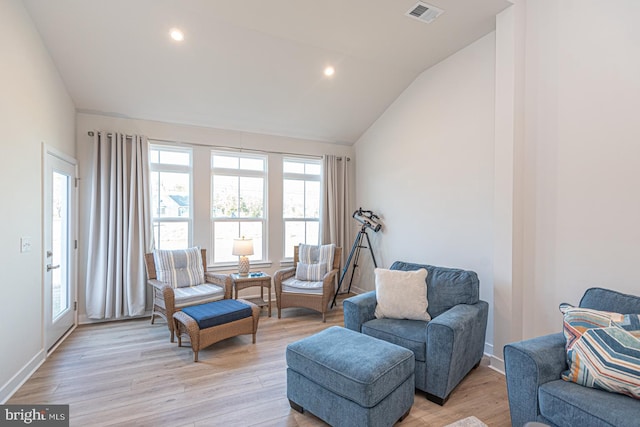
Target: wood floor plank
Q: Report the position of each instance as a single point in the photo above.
(128, 373)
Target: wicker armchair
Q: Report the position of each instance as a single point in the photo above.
(164, 295)
(318, 301)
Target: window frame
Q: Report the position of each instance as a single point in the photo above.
(171, 168)
(240, 173)
(305, 177)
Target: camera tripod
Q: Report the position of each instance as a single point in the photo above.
(355, 255)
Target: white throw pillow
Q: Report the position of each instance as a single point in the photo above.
(401, 294)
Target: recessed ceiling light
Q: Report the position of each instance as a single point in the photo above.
(329, 71)
(176, 34)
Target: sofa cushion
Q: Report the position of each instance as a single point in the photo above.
(401, 294)
(179, 268)
(446, 287)
(218, 312)
(410, 334)
(608, 300)
(602, 351)
(201, 293)
(565, 403)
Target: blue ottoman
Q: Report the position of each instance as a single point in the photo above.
(350, 379)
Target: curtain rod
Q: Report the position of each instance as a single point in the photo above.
(92, 133)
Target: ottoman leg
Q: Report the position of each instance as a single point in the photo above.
(405, 415)
(195, 356)
(295, 406)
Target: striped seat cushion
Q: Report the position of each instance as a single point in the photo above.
(301, 286)
(603, 350)
(201, 293)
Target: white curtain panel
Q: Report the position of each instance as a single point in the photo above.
(336, 216)
(120, 226)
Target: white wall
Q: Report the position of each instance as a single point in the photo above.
(426, 166)
(196, 135)
(34, 108)
(582, 156)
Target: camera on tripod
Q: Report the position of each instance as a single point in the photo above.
(367, 218)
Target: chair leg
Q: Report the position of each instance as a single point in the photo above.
(295, 406)
(435, 399)
(405, 415)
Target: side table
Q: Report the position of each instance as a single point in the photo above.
(253, 279)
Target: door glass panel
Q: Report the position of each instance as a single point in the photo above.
(59, 248)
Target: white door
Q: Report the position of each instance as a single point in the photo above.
(59, 245)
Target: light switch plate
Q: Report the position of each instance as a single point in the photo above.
(25, 244)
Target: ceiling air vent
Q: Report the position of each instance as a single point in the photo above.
(424, 12)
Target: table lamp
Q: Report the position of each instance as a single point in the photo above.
(242, 248)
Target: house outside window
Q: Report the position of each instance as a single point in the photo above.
(301, 202)
(238, 203)
(171, 172)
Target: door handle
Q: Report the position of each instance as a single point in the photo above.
(52, 267)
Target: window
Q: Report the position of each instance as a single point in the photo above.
(170, 196)
(238, 203)
(301, 202)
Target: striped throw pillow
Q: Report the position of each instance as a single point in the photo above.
(309, 254)
(603, 350)
(310, 272)
(179, 268)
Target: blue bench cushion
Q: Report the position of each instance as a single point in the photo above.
(218, 312)
(360, 368)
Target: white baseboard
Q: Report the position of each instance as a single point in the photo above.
(357, 291)
(11, 386)
(84, 320)
(488, 349)
(497, 364)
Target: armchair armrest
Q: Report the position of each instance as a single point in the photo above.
(329, 281)
(155, 283)
(358, 310)
(163, 295)
(280, 276)
(528, 365)
(455, 344)
(222, 280)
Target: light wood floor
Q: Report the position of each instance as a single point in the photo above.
(128, 373)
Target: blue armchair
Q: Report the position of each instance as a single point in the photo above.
(537, 392)
(448, 346)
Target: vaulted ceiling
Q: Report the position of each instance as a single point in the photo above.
(252, 65)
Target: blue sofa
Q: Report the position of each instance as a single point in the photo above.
(537, 393)
(448, 346)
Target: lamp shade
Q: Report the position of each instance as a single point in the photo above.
(242, 247)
